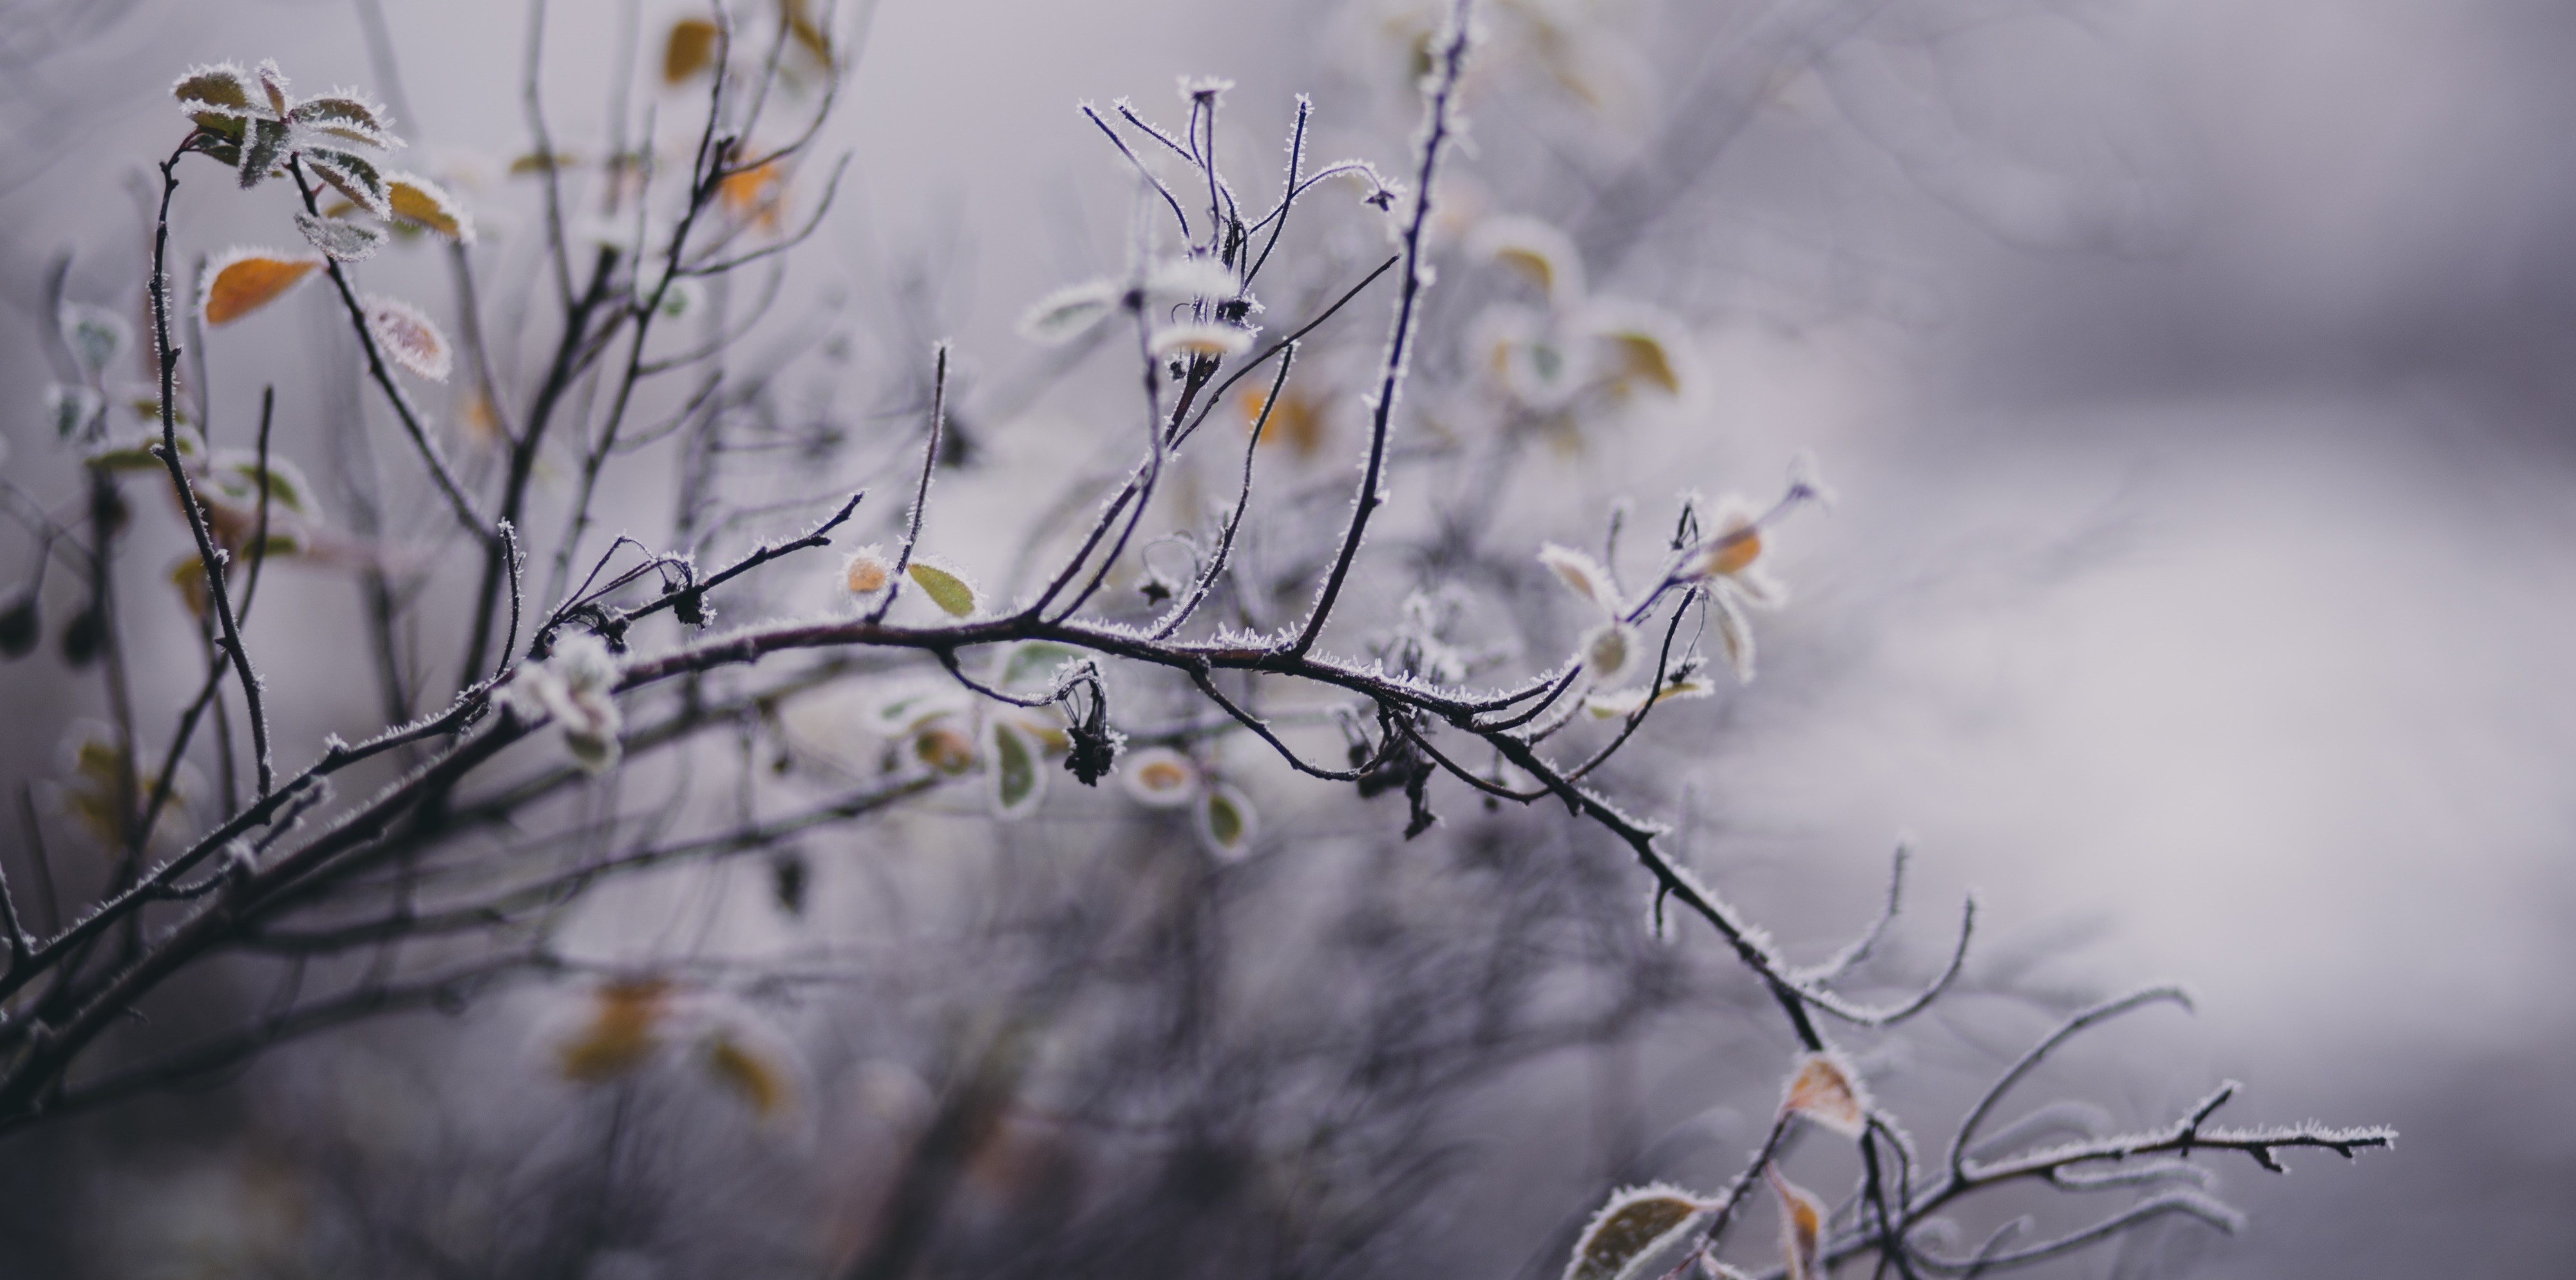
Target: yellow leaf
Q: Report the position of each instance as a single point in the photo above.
(951, 593)
(1642, 355)
(623, 1031)
(755, 194)
(1802, 1227)
(747, 1071)
(248, 279)
(418, 200)
(1637, 1224)
(1297, 420)
(690, 49)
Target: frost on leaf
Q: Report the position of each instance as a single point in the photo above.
(1018, 782)
(1069, 312)
(424, 203)
(1735, 635)
(1226, 822)
(624, 1028)
(1581, 575)
(1033, 663)
(1628, 702)
(1544, 254)
(351, 175)
(222, 89)
(261, 149)
(96, 335)
(1610, 650)
(575, 686)
(1202, 340)
(346, 117)
(1628, 1234)
(690, 49)
(340, 240)
(1189, 279)
(272, 85)
(1644, 347)
(1802, 1227)
(951, 592)
(409, 337)
(70, 408)
(867, 572)
(1827, 1091)
(245, 280)
(1160, 778)
(941, 744)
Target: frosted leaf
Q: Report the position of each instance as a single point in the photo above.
(1735, 636)
(409, 337)
(424, 203)
(70, 408)
(1581, 575)
(1069, 312)
(623, 1030)
(1734, 547)
(244, 280)
(575, 686)
(1018, 783)
(1627, 1234)
(340, 240)
(946, 588)
(237, 475)
(96, 335)
(943, 745)
(756, 194)
(1610, 650)
(347, 117)
(1802, 1227)
(262, 149)
(1226, 822)
(353, 176)
(1033, 663)
(223, 89)
(868, 572)
(1189, 279)
(1159, 777)
(1201, 340)
(272, 85)
(689, 49)
(1627, 702)
(1544, 254)
(1826, 1090)
(1644, 345)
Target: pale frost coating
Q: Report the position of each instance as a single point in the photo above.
(574, 687)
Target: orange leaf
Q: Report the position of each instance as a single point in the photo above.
(248, 279)
(1802, 1227)
(1826, 1091)
(623, 1030)
(690, 50)
(418, 200)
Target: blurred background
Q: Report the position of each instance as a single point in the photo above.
(2193, 378)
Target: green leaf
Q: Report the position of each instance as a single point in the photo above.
(222, 88)
(1631, 1231)
(1226, 822)
(1033, 663)
(265, 146)
(1018, 782)
(353, 119)
(340, 240)
(352, 176)
(945, 589)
